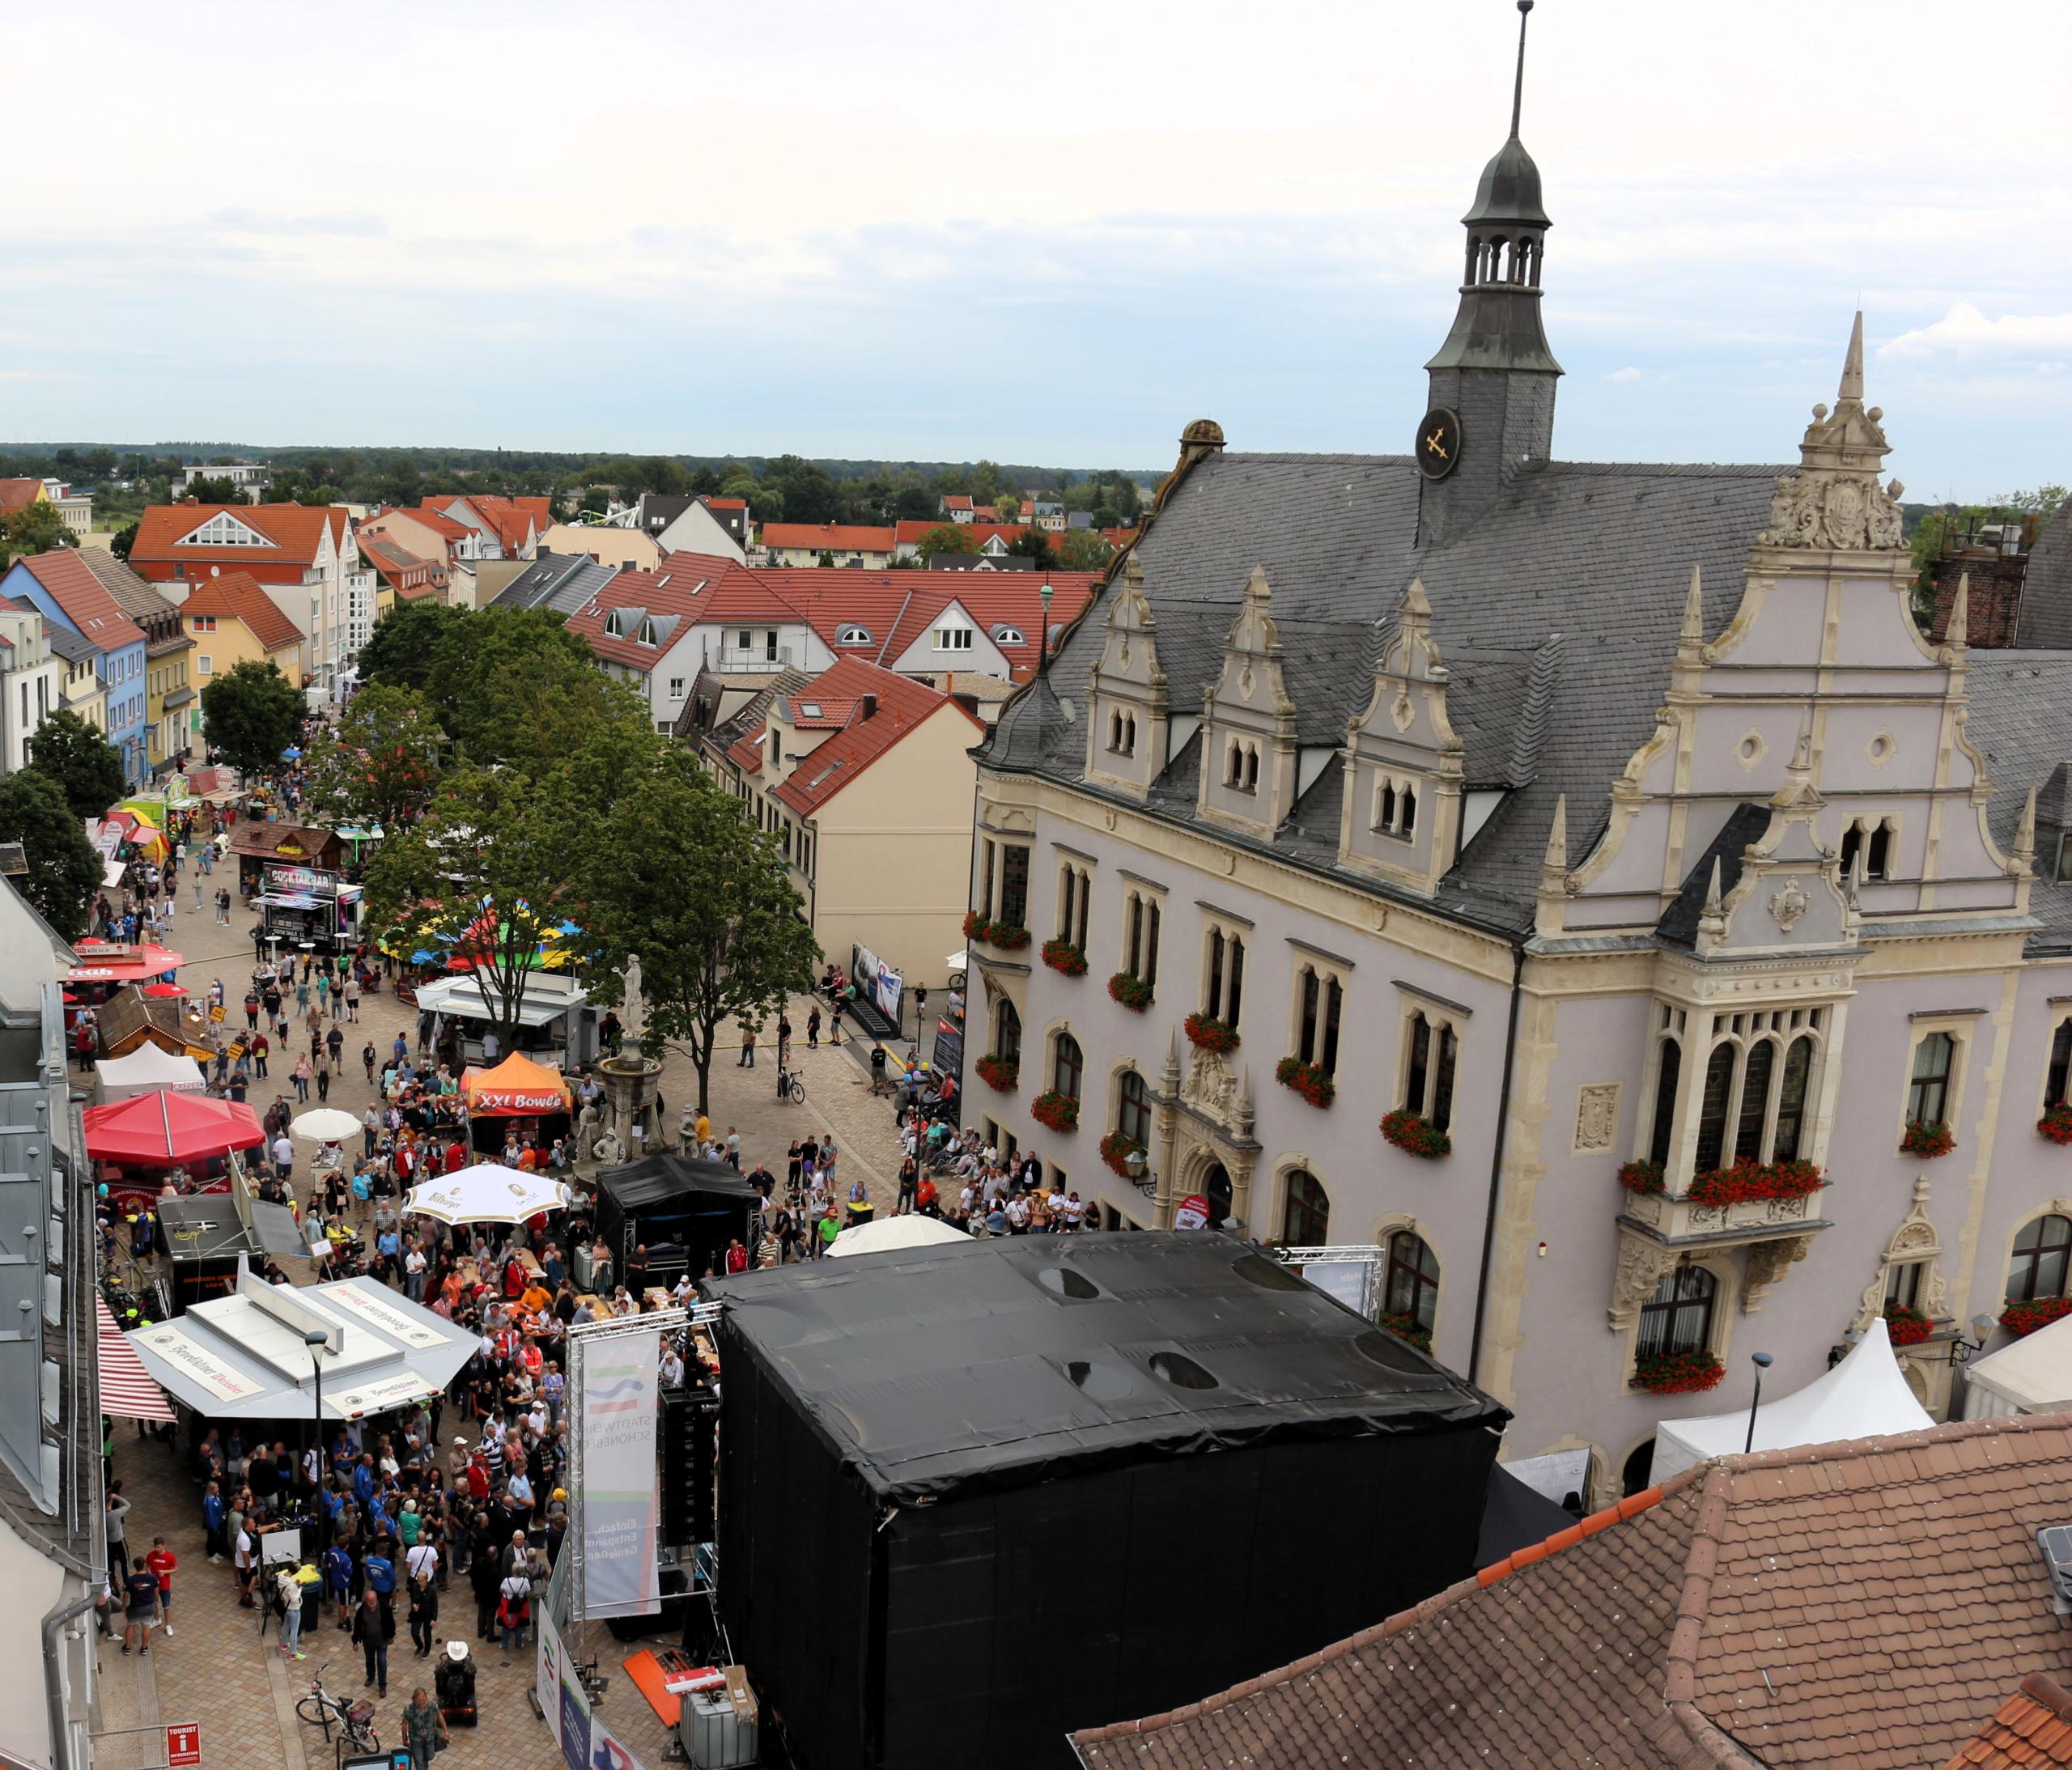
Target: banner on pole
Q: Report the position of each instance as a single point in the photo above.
(621, 1577)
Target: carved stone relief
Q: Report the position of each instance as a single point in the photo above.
(1642, 1266)
(1597, 1118)
(1767, 1262)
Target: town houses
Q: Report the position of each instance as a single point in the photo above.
(1581, 885)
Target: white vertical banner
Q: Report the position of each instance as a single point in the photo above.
(606, 1752)
(546, 1670)
(619, 1488)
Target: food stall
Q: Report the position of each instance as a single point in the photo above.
(520, 1090)
(309, 907)
(557, 1027)
(256, 845)
(137, 1144)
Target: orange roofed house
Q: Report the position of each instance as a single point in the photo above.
(1880, 1604)
(232, 620)
(304, 558)
(865, 781)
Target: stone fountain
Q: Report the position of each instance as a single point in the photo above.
(633, 1081)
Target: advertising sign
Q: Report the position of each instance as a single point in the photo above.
(877, 980)
(546, 1672)
(183, 1744)
(1191, 1212)
(620, 1574)
(376, 1314)
(173, 1345)
(301, 879)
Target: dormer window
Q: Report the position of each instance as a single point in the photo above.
(853, 635)
(1241, 767)
(953, 638)
(1873, 843)
(1007, 636)
(615, 624)
(648, 635)
(1122, 733)
(1396, 808)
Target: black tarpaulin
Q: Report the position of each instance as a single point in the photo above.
(1004, 1361)
(684, 1212)
(1515, 1517)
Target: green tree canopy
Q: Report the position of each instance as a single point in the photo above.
(222, 489)
(498, 679)
(678, 877)
(252, 713)
(1032, 543)
(1084, 549)
(406, 643)
(87, 767)
(64, 870)
(123, 540)
(35, 528)
(949, 537)
(382, 762)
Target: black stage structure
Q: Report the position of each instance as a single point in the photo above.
(683, 1211)
(978, 1494)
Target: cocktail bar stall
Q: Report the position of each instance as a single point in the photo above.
(309, 907)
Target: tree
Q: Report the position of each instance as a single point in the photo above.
(1032, 543)
(64, 869)
(678, 877)
(406, 642)
(35, 528)
(1084, 549)
(124, 539)
(221, 490)
(515, 686)
(86, 766)
(383, 762)
(949, 537)
(252, 714)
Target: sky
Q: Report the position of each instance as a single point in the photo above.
(920, 231)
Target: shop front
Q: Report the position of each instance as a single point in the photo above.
(258, 844)
(308, 908)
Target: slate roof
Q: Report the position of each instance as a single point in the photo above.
(2031, 1731)
(138, 597)
(1744, 825)
(1583, 565)
(561, 582)
(2017, 719)
(658, 510)
(1863, 1604)
(2046, 615)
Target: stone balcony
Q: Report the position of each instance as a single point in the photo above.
(1658, 1229)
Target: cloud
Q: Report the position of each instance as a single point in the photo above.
(1964, 332)
(1629, 373)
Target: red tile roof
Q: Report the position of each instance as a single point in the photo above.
(690, 586)
(746, 753)
(295, 531)
(436, 520)
(235, 596)
(902, 705)
(1862, 1604)
(956, 501)
(88, 604)
(826, 537)
(2031, 1731)
(724, 504)
(510, 519)
(17, 494)
(896, 608)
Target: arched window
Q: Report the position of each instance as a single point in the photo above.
(1115, 731)
(1067, 1067)
(1679, 1317)
(1317, 1036)
(1233, 764)
(1928, 1094)
(1385, 805)
(2038, 1268)
(1668, 1073)
(1129, 735)
(1007, 1032)
(2060, 1065)
(1251, 768)
(1409, 825)
(1133, 1108)
(1712, 1108)
(1306, 1218)
(1412, 1288)
(1755, 1100)
(1791, 1101)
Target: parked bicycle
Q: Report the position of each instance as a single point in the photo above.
(353, 1718)
(791, 1086)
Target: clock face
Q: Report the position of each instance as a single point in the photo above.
(1437, 447)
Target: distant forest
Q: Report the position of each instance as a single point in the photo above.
(124, 478)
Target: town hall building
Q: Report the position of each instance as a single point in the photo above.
(1582, 883)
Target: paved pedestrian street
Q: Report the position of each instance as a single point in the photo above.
(215, 1669)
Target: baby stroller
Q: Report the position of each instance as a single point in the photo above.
(454, 1686)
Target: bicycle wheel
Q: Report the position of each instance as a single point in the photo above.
(798, 1092)
(364, 1739)
(312, 1713)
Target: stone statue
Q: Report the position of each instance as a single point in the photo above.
(608, 1150)
(587, 1130)
(686, 1131)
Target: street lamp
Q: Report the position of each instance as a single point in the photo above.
(1961, 1349)
(316, 1339)
(1043, 647)
(1762, 1361)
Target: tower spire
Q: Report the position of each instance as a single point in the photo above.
(1517, 83)
(1852, 387)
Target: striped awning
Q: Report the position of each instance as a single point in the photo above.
(127, 1391)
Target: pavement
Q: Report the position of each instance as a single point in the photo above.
(215, 1669)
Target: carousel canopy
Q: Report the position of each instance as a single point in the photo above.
(516, 1088)
(164, 1129)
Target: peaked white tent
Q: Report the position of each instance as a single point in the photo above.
(2031, 1376)
(148, 1068)
(1863, 1397)
(888, 1235)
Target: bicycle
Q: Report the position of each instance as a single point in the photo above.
(791, 1086)
(355, 1719)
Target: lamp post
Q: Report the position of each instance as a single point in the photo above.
(316, 1339)
(1043, 646)
(1762, 1361)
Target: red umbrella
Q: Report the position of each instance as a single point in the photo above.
(163, 990)
(162, 1128)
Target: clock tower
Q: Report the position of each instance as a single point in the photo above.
(1493, 381)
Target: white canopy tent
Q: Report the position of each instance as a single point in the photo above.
(145, 1068)
(888, 1235)
(2033, 1375)
(1864, 1396)
(243, 1357)
(488, 1192)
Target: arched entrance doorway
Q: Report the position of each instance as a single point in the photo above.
(1634, 1478)
(1215, 1188)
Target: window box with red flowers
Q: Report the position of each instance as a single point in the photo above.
(1063, 956)
(1927, 1139)
(2057, 1123)
(1308, 1080)
(1677, 1373)
(2021, 1319)
(1642, 1176)
(1059, 1112)
(1131, 990)
(1117, 1149)
(1001, 1073)
(974, 924)
(1008, 936)
(1410, 1133)
(1406, 1327)
(1206, 1033)
(1905, 1325)
(1748, 1182)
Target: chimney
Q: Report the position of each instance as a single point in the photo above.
(866, 708)
(1992, 561)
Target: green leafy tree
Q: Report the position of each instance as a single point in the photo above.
(406, 643)
(381, 764)
(509, 685)
(949, 537)
(86, 766)
(1083, 550)
(123, 540)
(1032, 543)
(220, 490)
(252, 713)
(679, 878)
(64, 870)
(35, 528)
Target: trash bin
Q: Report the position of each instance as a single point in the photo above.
(717, 1736)
(579, 1265)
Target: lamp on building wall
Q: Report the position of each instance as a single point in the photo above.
(1961, 1349)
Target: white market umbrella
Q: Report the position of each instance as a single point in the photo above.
(327, 1124)
(886, 1235)
(488, 1192)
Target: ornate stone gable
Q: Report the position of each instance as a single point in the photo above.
(1400, 807)
(1834, 500)
(1249, 750)
(1127, 723)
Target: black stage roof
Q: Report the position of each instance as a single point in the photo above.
(995, 1364)
(663, 1175)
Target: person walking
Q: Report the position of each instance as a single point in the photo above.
(302, 1078)
(424, 1612)
(424, 1728)
(288, 1589)
(141, 1588)
(813, 1028)
(748, 1049)
(514, 1611)
(373, 1628)
(163, 1563)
